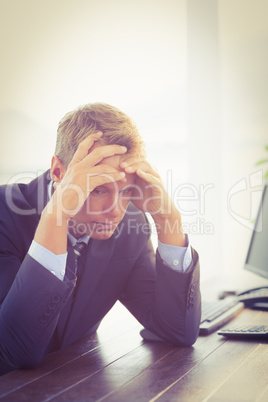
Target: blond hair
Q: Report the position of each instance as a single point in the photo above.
(116, 126)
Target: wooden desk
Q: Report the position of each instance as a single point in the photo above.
(117, 365)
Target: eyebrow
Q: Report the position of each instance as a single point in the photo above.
(127, 186)
(104, 187)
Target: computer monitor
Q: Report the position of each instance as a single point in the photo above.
(257, 256)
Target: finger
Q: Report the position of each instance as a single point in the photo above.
(104, 169)
(144, 166)
(102, 152)
(147, 176)
(109, 172)
(84, 147)
(130, 161)
(98, 179)
(132, 167)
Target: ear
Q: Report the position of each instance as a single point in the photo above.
(57, 170)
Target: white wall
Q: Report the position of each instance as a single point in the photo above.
(227, 42)
(58, 54)
(243, 27)
(204, 131)
(192, 73)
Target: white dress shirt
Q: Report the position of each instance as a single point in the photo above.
(177, 258)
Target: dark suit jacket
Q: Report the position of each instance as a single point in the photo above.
(40, 313)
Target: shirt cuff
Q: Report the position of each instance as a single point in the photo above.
(54, 263)
(177, 258)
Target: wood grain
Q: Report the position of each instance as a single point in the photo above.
(117, 365)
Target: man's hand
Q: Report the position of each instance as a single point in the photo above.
(73, 185)
(150, 195)
(84, 173)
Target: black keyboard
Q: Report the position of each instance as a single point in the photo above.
(217, 313)
(246, 332)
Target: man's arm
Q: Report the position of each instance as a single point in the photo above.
(29, 314)
(32, 305)
(177, 258)
(172, 307)
(72, 189)
(31, 298)
(150, 195)
(166, 302)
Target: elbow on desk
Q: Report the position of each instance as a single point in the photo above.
(176, 337)
(180, 341)
(188, 339)
(190, 332)
(9, 364)
(29, 361)
(18, 352)
(191, 338)
(19, 359)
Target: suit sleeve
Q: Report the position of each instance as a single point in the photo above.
(31, 299)
(29, 314)
(166, 302)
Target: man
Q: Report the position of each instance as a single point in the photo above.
(93, 198)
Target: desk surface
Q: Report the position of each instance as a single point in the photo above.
(117, 365)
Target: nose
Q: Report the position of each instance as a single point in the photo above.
(113, 208)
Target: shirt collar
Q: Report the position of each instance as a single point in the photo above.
(85, 238)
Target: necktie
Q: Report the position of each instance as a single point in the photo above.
(78, 248)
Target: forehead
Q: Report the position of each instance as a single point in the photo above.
(114, 162)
